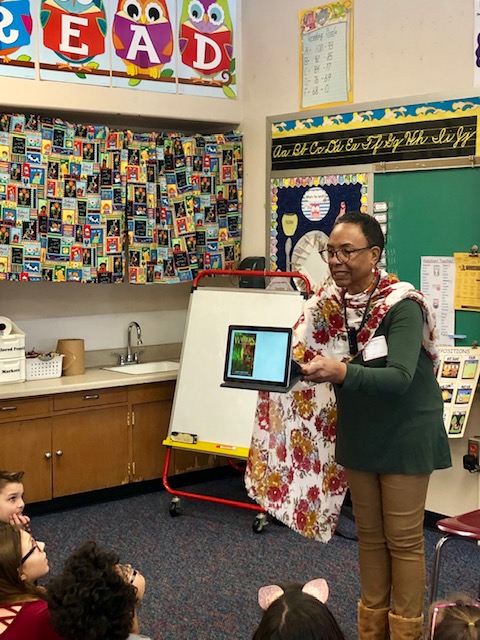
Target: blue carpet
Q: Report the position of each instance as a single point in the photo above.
(203, 569)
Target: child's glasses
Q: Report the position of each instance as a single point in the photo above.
(29, 553)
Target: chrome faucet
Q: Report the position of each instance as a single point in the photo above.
(132, 358)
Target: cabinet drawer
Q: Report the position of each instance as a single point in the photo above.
(23, 407)
(151, 392)
(87, 399)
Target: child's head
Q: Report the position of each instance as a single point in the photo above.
(296, 613)
(22, 562)
(93, 590)
(458, 620)
(11, 494)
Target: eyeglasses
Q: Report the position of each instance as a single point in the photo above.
(29, 553)
(446, 605)
(342, 255)
(129, 573)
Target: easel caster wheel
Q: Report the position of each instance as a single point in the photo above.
(260, 523)
(174, 509)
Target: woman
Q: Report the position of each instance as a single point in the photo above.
(95, 597)
(23, 611)
(371, 337)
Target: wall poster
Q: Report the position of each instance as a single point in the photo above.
(173, 46)
(457, 376)
(326, 54)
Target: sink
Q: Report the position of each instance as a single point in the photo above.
(146, 367)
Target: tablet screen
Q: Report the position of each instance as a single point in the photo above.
(260, 354)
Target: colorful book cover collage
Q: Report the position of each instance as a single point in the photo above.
(457, 376)
(82, 203)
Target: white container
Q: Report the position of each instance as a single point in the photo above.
(12, 340)
(12, 370)
(36, 369)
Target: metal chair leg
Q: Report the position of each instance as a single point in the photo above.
(436, 566)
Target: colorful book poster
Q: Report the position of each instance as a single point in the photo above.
(457, 376)
(326, 54)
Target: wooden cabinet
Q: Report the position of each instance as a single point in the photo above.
(75, 442)
(25, 438)
(89, 441)
(151, 406)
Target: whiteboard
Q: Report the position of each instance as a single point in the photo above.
(218, 414)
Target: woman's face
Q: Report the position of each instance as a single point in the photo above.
(35, 563)
(356, 274)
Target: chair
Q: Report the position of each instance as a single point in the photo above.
(463, 527)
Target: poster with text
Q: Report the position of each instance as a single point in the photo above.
(326, 54)
(17, 50)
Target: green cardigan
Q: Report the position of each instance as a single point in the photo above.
(390, 410)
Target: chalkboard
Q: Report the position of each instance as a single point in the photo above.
(218, 415)
(431, 213)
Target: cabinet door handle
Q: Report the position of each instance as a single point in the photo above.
(59, 452)
(92, 396)
(48, 455)
(9, 408)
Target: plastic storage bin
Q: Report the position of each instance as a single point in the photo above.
(12, 370)
(36, 368)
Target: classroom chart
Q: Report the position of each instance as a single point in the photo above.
(458, 378)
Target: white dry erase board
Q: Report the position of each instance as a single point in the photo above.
(219, 415)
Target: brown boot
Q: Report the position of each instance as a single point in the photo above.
(405, 628)
(372, 623)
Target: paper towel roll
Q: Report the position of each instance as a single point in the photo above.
(74, 351)
(6, 327)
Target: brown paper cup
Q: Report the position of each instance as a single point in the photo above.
(73, 350)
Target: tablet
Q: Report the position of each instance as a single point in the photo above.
(259, 358)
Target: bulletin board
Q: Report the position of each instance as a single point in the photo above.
(222, 418)
(431, 213)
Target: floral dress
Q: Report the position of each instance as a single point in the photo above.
(291, 470)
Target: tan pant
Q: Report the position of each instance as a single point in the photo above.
(389, 511)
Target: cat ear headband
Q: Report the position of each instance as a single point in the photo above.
(317, 588)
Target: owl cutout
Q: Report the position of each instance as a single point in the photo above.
(206, 39)
(74, 29)
(16, 27)
(142, 36)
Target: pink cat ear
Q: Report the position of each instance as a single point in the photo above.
(267, 595)
(317, 588)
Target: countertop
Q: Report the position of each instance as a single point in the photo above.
(91, 379)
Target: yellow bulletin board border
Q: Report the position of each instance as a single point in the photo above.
(441, 130)
(318, 17)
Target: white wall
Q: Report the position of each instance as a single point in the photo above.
(401, 48)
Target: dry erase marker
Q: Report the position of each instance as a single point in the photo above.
(225, 446)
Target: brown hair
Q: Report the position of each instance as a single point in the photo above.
(7, 477)
(12, 587)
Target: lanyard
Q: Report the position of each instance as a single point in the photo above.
(351, 331)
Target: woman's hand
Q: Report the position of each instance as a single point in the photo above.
(322, 369)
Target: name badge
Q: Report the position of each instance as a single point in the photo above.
(376, 348)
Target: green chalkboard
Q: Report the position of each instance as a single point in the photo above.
(431, 213)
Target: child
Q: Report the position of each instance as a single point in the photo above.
(11, 499)
(23, 610)
(455, 621)
(94, 592)
(296, 613)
